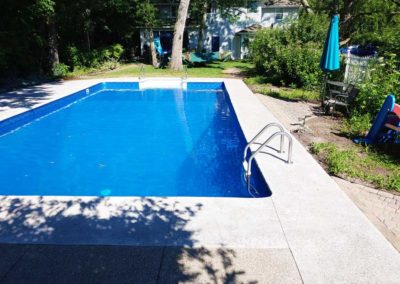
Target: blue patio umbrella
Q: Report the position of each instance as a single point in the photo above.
(330, 60)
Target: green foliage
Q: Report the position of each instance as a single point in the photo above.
(60, 70)
(384, 79)
(146, 14)
(291, 55)
(356, 125)
(362, 163)
(95, 58)
(374, 22)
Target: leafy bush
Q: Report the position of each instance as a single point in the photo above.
(96, 58)
(60, 70)
(357, 125)
(111, 64)
(291, 55)
(384, 79)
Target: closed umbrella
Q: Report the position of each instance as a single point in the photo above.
(330, 60)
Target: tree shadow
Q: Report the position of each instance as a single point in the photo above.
(27, 97)
(89, 239)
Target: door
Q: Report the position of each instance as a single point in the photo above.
(215, 43)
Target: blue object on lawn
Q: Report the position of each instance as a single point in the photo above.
(379, 122)
(157, 45)
(330, 60)
(204, 57)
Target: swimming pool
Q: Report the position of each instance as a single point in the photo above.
(115, 139)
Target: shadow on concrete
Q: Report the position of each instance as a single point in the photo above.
(97, 240)
(25, 98)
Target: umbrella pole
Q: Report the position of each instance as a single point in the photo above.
(323, 91)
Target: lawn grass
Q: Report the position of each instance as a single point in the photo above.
(205, 71)
(292, 94)
(260, 85)
(366, 164)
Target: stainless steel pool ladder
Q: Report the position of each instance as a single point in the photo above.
(281, 132)
(141, 72)
(184, 76)
(185, 73)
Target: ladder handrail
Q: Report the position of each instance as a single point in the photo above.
(185, 74)
(141, 72)
(289, 160)
(280, 133)
(261, 132)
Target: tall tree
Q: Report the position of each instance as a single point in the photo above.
(46, 8)
(146, 15)
(177, 43)
(198, 11)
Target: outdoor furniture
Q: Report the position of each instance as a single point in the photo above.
(203, 57)
(340, 94)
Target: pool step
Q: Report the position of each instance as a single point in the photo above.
(167, 83)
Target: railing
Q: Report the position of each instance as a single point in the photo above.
(281, 133)
(185, 73)
(141, 72)
(269, 125)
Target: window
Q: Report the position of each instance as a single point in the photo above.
(252, 6)
(278, 15)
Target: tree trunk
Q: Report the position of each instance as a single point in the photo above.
(87, 25)
(87, 40)
(306, 6)
(177, 44)
(200, 39)
(346, 17)
(153, 52)
(53, 43)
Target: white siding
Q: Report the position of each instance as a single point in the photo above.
(226, 30)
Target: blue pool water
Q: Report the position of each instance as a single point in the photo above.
(128, 142)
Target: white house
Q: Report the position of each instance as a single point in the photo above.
(226, 35)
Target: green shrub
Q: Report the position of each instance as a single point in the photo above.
(291, 55)
(111, 64)
(300, 65)
(116, 51)
(356, 125)
(384, 79)
(96, 58)
(60, 70)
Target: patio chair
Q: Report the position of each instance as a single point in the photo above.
(340, 94)
(203, 57)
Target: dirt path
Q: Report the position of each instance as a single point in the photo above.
(380, 207)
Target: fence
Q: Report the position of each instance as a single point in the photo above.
(357, 68)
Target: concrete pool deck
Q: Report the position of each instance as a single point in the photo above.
(307, 231)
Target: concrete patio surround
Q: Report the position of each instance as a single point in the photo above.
(307, 231)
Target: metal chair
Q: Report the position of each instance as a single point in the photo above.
(340, 94)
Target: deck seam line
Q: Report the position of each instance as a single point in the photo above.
(161, 265)
(287, 241)
(14, 264)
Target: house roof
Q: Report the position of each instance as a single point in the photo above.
(281, 4)
(250, 29)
